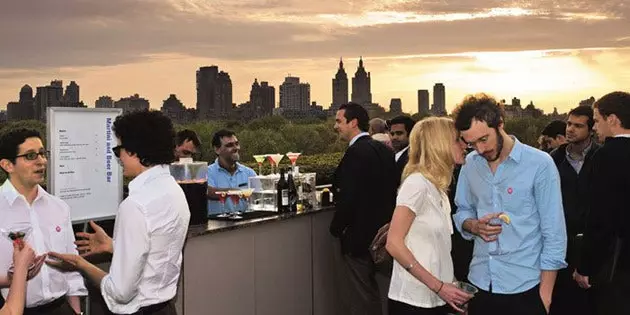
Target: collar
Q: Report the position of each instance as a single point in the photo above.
(625, 135)
(236, 170)
(357, 137)
(515, 154)
(147, 176)
(401, 152)
(584, 152)
(11, 194)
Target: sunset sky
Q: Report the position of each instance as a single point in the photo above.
(555, 53)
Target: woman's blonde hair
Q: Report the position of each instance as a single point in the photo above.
(430, 151)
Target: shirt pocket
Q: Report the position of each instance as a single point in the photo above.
(57, 239)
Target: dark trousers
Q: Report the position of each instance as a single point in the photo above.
(525, 303)
(569, 298)
(363, 285)
(400, 308)
(614, 298)
(59, 306)
(165, 308)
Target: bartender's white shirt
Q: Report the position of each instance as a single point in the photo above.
(49, 228)
(149, 235)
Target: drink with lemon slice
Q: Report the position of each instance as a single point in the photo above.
(494, 248)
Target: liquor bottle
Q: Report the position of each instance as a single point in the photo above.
(293, 195)
(282, 190)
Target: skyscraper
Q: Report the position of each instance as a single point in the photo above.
(71, 98)
(132, 104)
(361, 88)
(214, 93)
(262, 97)
(339, 88)
(395, 106)
(423, 102)
(439, 100)
(295, 95)
(173, 108)
(48, 96)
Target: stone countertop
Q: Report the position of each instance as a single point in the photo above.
(215, 226)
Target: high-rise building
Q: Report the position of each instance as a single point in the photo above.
(395, 106)
(48, 96)
(132, 104)
(24, 109)
(262, 98)
(71, 98)
(339, 88)
(214, 93)
(439, 100)
(295, 95)
(423, 102)
(104, 102)
(361, 87)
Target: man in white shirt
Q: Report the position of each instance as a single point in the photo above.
(45, 221)
(400, 129)
(151, 224)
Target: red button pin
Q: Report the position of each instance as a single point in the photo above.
(58, 229)
(510, 190)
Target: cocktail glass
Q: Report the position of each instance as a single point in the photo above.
(275, 159)
(222, 198)
(246, 194)
(468, 288)
(260, 159)
(293, 158)
(494, 248)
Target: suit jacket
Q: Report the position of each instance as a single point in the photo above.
(609, 207)
(364, 187)
(402, 161)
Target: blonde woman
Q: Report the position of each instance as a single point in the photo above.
(419, 237)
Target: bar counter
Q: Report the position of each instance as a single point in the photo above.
(282, 264)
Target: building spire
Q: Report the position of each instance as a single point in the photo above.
(360, 61)
(340, 62)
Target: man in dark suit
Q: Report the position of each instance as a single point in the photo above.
(400, 128)
(609, 213)
(574, 162)
(365, 196)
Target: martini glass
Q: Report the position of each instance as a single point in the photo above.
(275, 159)
(222, 198)
(246, 194)
(293, 158)
(235, 196)
(260, 159)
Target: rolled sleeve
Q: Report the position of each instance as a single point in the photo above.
(465, 208)
(552, 225)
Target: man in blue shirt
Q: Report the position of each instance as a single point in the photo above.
(226, 173)
(515, 262)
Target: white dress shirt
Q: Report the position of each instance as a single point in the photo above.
(149, 235)
(354, 139)
(428, 239)
(48, 228)
(400, 153)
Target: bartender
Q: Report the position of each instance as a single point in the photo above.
(226, 173)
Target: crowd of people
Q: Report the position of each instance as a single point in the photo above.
(547, 224)
(545, 227)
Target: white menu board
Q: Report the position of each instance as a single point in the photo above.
(82, 169)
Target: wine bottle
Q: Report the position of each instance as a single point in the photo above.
(282, 190)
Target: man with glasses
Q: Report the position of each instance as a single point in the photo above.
(226, 173)
(509, 202)
(187, 145)
(45, 221)
(151, 223)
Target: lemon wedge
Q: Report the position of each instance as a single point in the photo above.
(505, 218)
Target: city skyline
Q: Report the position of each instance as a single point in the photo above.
(552, 53)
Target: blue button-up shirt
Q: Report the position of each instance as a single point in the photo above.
(526, 186)
(218, 177)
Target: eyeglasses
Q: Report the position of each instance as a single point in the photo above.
(116, 150)
(32, 156)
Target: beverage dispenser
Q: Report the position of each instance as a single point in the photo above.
(193, 178)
